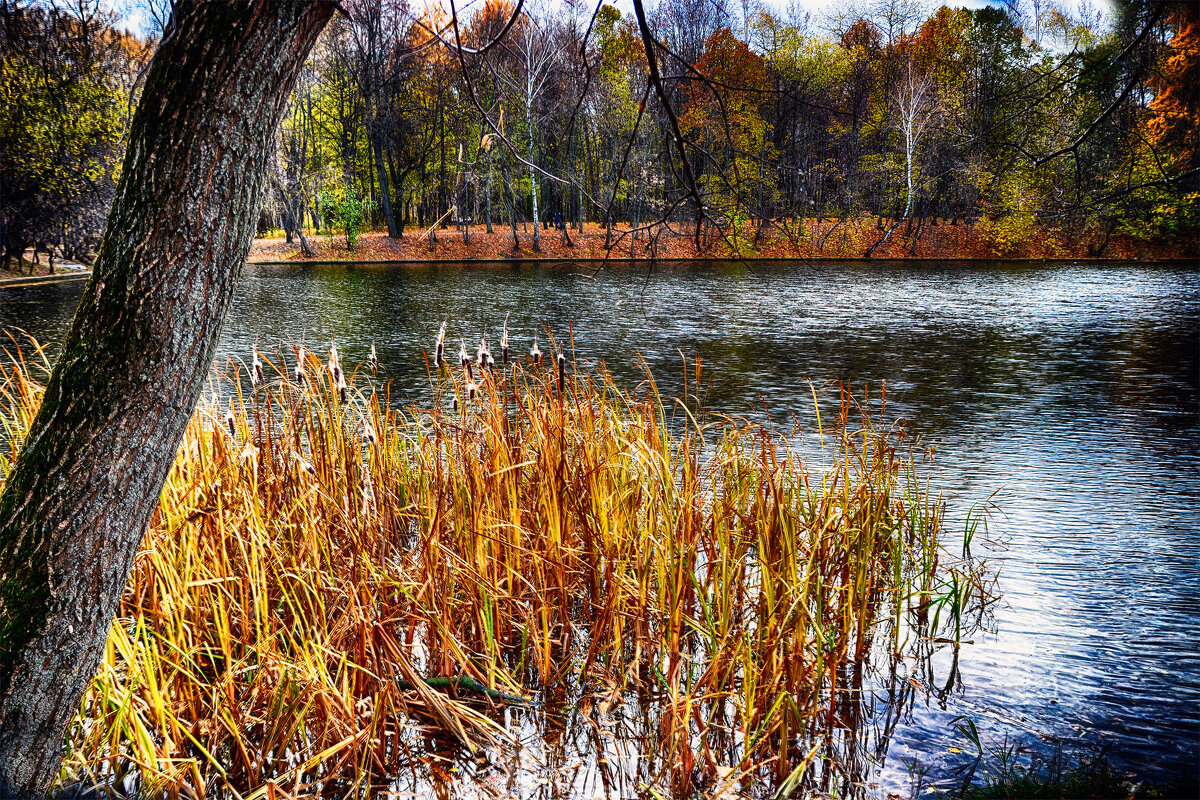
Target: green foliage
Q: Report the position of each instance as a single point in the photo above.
(65, 91)
(345, 211)
(1007, 234)
(1009, 776)
(1159, 215)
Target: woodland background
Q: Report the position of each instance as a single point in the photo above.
(892, 127)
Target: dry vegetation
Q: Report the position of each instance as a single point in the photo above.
(332, 588)
(826, 238)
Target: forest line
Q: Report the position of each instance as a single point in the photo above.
(1044, 131)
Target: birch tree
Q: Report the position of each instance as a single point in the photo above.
(531, 58)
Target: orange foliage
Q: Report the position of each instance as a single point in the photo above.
(940, 41)
(1174, 123)
(862, 36)
(741, 75)
(489, 21)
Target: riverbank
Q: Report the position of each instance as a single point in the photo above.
(28, 272)
(809, 239)
(35, 280)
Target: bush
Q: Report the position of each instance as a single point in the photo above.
(345, 212)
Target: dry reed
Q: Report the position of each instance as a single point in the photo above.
(554, 546)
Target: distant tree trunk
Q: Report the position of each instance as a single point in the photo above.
(533, 183)
(88, 479)
(512, 205)
(489, 190)
(397, 181)
(385, 196)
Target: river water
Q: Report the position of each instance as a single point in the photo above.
(1069, 390)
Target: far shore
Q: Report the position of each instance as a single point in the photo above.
(827, 240)
(813, 240)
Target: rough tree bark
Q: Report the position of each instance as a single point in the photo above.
(78, 501)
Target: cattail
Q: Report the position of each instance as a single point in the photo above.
(256, 372)
(343, 390)
(249, 453)
(368, 432)
(471, 389)
(374, 359)
(562, 373)
(504, 342)
(484, 355)
(535, 353)
(464, 358)
(304, 465)
(335, 368)
(440, 358)
(368, 492)
(300, 373)
(230, 421)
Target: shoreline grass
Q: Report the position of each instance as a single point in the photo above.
(317, 556)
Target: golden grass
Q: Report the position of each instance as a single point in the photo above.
(317, 554)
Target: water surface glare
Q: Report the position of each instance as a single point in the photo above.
(1072, 389)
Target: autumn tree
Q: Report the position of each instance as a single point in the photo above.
(66, 76)
(723, 115)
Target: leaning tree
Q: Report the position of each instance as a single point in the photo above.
(77, 502)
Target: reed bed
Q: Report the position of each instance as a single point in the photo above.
(547, 545)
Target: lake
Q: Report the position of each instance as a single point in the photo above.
(1070, 390)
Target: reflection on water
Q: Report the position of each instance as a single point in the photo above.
(1073, 390)
(593, 743)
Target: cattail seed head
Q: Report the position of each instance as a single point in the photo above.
(300, 373)
(562, 372)
(535, 353)
(256, 372)
(305, 465)
(343, 390)
(373, 358)
(230, 421)
(471, 389)
(440, 358)
(504, 342)
(463, 358)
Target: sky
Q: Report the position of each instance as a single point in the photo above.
(136, 20)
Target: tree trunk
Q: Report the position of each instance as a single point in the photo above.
(533, 185)
(78, 501)
(489, 190)
(385, 196)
